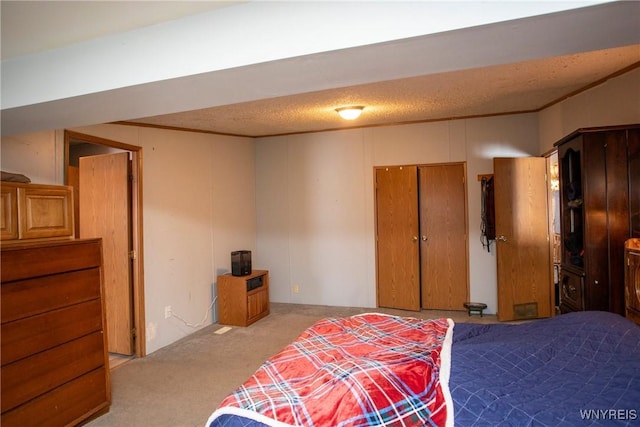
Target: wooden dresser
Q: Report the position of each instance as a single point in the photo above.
(632, 279)
(53, 345)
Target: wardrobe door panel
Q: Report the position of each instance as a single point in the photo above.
(634, 181)
(596, 238)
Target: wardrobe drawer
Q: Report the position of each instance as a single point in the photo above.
(28, 378)
(26, 298)
(66, 405)
(571, 288)
(38, 333)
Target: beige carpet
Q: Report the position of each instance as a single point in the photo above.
(182, 384)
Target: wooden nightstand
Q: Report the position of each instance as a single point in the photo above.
(242, 300)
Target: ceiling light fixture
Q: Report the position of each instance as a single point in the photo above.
(350, 113)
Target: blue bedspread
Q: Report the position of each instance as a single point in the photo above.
(575, 369)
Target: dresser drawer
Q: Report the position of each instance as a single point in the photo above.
(26, 298)
(66, 405)
(42, 332)
(27, 261)
(33, 376)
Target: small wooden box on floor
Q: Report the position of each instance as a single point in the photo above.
(53, 346)
(237, 304)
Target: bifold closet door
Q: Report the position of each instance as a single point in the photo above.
(397, 248)
(443, 237)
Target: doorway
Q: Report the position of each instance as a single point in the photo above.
(81, 145)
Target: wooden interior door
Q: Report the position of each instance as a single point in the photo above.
(522, 242)
(397, 249)
(443, 237)
(105, 212)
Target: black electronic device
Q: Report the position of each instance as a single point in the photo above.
(241, 263)
(254, 282)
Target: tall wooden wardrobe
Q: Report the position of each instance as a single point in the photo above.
(600, 210)
(421, 236)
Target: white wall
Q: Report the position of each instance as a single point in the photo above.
(37, 155)
(303, 203)
(198, 206)
(315, 201)
(615, 102)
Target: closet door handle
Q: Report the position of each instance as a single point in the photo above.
(424, 238)
(501, 239)
(414, 238)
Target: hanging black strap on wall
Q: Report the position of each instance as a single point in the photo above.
(488, 217)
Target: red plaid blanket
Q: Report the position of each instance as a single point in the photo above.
(365, 370)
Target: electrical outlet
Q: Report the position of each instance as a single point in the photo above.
(296, 289)
(167, 312)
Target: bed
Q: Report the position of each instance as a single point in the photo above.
(374, 369)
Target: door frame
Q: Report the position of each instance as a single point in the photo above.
(136, 227)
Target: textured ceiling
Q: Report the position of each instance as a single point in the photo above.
(519, 87)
